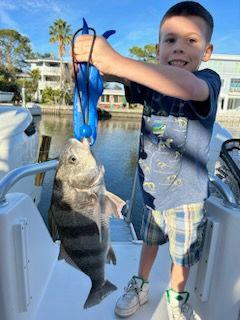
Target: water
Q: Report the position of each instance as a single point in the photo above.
(116, 148)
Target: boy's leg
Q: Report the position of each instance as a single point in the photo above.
(186, 226)
(179, 276)
(148, 255)
(136, 293)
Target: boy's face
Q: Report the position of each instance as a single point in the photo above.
(183, 42)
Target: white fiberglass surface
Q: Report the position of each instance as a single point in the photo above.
(68, 288)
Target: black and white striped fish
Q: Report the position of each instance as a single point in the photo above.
(79, 216)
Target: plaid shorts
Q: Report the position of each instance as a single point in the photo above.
(183, 227)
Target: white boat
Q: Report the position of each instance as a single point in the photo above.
(18, 145)
(6, 96)
(35, 285)
(34, 108)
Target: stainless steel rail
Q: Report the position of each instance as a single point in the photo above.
(224, 190)
(17, 174)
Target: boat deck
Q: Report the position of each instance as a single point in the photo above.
(121, 231)
(65, 295)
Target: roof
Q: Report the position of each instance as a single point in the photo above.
(222, 56)
(44, 60)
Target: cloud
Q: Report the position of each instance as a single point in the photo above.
(31, 5)
(7, 21)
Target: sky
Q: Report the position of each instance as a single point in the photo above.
(136, 21)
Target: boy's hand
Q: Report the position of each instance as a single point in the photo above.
(104, 57)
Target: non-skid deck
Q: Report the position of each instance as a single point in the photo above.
(68, 289)
(121, 231)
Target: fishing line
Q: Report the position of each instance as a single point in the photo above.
(85, 116)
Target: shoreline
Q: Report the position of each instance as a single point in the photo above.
(229, 118)
(102, 112)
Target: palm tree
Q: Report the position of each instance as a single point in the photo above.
(36, 76)
(60, 32)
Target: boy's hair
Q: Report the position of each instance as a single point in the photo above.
(191, 8)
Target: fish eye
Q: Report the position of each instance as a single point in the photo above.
(72, 159)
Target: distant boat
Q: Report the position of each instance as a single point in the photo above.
(34, 109)
(6, 96)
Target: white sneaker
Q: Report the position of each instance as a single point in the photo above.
(178, 306)
(136, 294)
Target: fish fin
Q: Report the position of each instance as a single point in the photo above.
(111, 256)
(114, 204)
(64, 256)
(97, 294)
(52, 226)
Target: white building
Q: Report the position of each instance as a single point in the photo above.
(50, 72)
(228, 67)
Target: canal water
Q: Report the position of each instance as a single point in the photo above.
(116, 148)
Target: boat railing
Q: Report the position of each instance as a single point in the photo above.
(224, 190)
(17, 174)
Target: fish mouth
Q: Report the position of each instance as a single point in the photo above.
(178, 63)
(85, 141)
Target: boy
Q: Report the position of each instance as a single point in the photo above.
(180, 105)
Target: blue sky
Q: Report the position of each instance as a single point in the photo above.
(136, 21)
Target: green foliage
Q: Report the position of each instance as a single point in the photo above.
(4, 73)
(14, 49)
(46, 55)
(60, 32)
(9, 86)
(56, 96)
(147, 53)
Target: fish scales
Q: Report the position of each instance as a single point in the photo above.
(79, 216)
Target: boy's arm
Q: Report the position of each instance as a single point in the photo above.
(168, 80)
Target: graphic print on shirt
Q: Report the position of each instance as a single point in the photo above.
(163, 142)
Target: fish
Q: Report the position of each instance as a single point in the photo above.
(79, 216)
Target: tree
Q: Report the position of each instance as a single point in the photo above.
(60, 32)
(14, 50)
(46, 55)
(36, 76)
(147, 53)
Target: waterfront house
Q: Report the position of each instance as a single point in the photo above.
(228, 67)
(49, 71)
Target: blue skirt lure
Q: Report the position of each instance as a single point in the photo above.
(90, 85)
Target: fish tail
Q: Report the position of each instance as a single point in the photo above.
(97, 294)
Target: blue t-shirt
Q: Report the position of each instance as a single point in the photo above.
(174, 144)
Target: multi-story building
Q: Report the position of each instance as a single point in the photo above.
(228, 67)
(50, 72)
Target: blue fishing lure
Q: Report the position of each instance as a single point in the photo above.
(88, 88)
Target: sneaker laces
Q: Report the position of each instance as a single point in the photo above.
(131, 290)
(180, 313)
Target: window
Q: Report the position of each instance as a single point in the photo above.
(52, 78)
(105, 98)
(235, 85)
(115, 99)
(230, 104)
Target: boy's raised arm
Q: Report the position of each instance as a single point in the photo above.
(169, 80)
